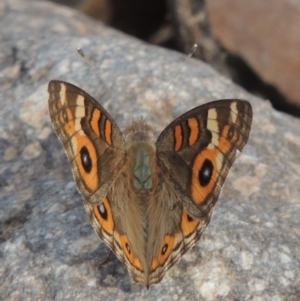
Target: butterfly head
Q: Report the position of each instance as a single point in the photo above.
(139, 131)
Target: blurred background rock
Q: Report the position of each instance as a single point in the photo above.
(255, 43)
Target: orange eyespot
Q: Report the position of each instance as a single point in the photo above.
(204, 175)
(126, 247)
(188, 224)
(86, 161)
(166, 249)
(103, 214)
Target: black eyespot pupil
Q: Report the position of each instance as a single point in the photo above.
(206, 172)
(164, 249)
(128, 248)
(102, 211)
(86, 159)
(189, 218)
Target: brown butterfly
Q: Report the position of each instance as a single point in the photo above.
(148, 200)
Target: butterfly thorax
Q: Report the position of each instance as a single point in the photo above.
(141, 160)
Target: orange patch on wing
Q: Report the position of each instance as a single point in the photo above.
(188, 226)
(91, 179)
(108, 223)
(95, 121)
(199, 193)
(127, 249)
(194, 127)
(169, 243)
(178, 137)
(108, 131)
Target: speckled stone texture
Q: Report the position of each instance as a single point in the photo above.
(49, 250)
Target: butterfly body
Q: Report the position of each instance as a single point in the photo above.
(150, 201)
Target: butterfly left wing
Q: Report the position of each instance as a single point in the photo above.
(197, 150)
(118, 222)
(96, 150)
(92, 140)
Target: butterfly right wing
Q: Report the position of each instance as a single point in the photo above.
(197, 150)
(194, 154)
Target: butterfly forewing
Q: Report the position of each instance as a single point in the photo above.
(89, 135)
(197, 150)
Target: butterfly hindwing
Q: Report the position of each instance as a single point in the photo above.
(172, 232)
(118, 222)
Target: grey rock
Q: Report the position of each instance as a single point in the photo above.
(49, 250)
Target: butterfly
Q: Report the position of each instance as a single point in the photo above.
(148, 200)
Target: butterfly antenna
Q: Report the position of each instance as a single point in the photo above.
(87, 61)
(192, 51)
